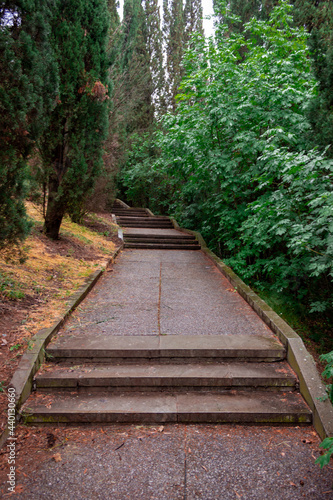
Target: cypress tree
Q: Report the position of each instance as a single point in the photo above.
(72, 145)
(317, 17)
(155, 51)
(179, 22)
(28, 88)
(173, 28)
(192, 19)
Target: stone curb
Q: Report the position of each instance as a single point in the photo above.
(31, 360)
(301, 361)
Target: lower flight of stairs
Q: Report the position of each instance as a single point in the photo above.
(172, 378)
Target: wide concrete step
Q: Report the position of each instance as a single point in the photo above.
(161, 407)
(142, 219)
(141, 225)
(154, 237)
(171, 347)
(135, 377)
(163, 246)
(130, 213)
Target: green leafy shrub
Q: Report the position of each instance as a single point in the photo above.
(327, 444)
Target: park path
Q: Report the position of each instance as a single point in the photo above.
(165, 338)
(162, 343)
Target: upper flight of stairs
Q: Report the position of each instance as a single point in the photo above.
(147, 239)
(173, 378)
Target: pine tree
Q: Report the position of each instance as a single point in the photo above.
(28, 88)
(72, 145)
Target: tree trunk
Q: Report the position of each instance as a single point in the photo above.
(55, 209)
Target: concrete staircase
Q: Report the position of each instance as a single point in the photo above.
(152, 234)
(168, 378)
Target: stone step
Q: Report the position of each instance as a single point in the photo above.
(141, 225)
(162, 407)
(163, 246)
(130, 213)
(148, 223)
(192, 376)
(171, 347)
(163, 237)
(156, 218)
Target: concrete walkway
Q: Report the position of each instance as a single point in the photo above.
(173, 293)
(164, 292)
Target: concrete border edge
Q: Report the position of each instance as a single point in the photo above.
(22, 380)
(122, 203)
(300, 360)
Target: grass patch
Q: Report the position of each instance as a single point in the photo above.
(50, 271)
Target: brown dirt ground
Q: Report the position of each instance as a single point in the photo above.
(50, 273)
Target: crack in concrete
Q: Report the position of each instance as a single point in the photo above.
(185, 464)
(159, 301)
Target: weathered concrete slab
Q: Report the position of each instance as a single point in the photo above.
(101, 407)
(242, 407)
(194, 292)
(168, 346)
(105, 346)
(158, 237)
(213, 375)
(225, 346)
(162, 245)
(152, 231)
(168, 407)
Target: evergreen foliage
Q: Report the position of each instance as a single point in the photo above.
(173, 29)
(180, 22)
(192, 19)
(71, 147)
(28, 88)
(317, 16)
(155, 51)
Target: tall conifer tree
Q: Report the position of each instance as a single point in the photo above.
(317, 17)
(192, 19)
(155, 51)
(72, 146)
(135, 79)
(173, 28)
(28, 87)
